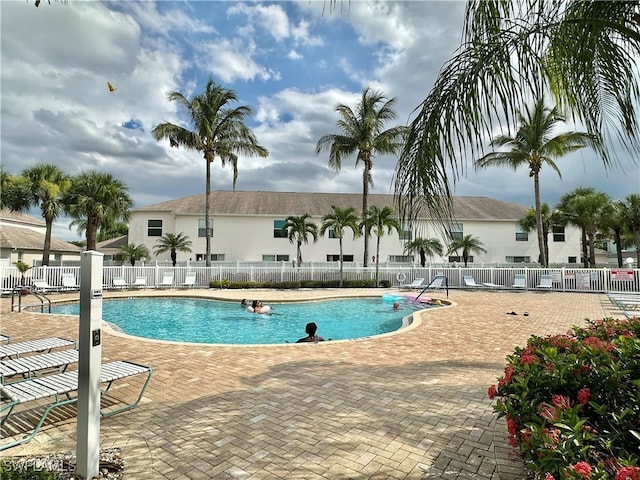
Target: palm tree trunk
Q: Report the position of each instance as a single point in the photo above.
(585, 255)
(377, 258)
(47, 241)
(592, 250)
(365, 206)
(341, 264)
(618, 240)
(206, 214)
(539, 227)
(92, 232)
(299, 253)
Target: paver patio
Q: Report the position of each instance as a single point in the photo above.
(411, 405)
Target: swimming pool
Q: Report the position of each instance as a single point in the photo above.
(211, 321)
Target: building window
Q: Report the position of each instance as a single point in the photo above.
(405, 233)
(460, 259)
(202, 231)
(573, 260)
(400, 258)
(518, 259)
(275, 258)
(154, 228)
(278, 232)
(332, 233)
(215, 257)
(521, 235)
(558, 234)
(336, 258)
(457, 231)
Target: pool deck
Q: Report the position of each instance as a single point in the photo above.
(410, 405)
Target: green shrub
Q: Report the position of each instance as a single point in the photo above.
(572, 402)
(8, 471)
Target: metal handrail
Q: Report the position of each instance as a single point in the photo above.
(17, 291)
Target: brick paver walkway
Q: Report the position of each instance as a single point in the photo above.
(411, 405)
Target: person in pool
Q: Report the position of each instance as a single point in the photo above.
(310, 330)
(244, 303)
(258, 307)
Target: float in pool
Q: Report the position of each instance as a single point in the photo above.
(219, 322)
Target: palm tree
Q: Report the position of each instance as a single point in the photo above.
(425, 247)
(172, 242)
(95, 198)
(582, 208)
(298, 230)
(377, 221)
(513, 51)
(338, 221)
(534, 146)
(550, 218)
(631, 215)
(468, 244)
(43, 185)
(362, 134)
(218, 130)
(612, 224)
(133, 252)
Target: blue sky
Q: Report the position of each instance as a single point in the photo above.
(291, 62)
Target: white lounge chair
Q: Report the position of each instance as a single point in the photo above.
(189, 280)
(469, 281)
(546, 282)
(29, 366)
(519, 281)
(436, 282)
(5, 338)
(61, 389)
(140, 282)
(42, 286)
(119, 282)
(167, 280)
(41, 345)
(417, 283)
(493, 285)
(69, 282)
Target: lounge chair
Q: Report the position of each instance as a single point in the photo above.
(189, 280)
(42, 286)
(417, 283)
(141, 282)
(493, 285)
(5, 338)
(41, 345)
(519, 281)
(546, 282)
(167, 280)
(30, 366)
(61, 389)
(469, 281)
(436, 282)
(69, 282)
(119, 282)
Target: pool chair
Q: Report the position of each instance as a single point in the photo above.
(141, 282)
(519, 281)
(469, 281)
(119, 282)
(46, 345)
(189, 280)
(546, 282)
(167, 280)
(58, 390)
(42, 286)
(5, 338)
(69, 282)
(417, 283)
(34, 365)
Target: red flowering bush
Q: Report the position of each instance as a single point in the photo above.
(572, 402)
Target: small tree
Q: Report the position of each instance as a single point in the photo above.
(133, 252)
(173, 242)
(298, 230)
(22, 268)
(468, 244)
(425, 247)
(377, 221)
(339, 220)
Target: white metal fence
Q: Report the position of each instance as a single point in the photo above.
(564, 279)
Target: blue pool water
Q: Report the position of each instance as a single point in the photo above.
(210, 321)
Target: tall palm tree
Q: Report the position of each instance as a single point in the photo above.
(583, 207)
(631, 215)
(533, 145)
(513, 51)
(361, 133)
(174, 243)
(612, 225)
(425, 247)
(378, 221)
(133, 252)
(218, 130)
(44, 186)
(95, 198)
(338, 221)
(298, 230)
(468, 244)
(550, 218)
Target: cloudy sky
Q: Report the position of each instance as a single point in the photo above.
(291, 62)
